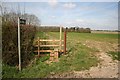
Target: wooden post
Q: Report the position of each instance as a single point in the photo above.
(56, 55)
(60, 38)
(65, 41)
(38, 47)
(51, 56)
(19, 53)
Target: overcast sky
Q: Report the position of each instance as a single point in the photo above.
(95, 15)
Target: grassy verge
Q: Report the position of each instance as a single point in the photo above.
(79, 58)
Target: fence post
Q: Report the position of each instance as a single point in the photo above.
(60, 38)
(38, 47)
(65, 41)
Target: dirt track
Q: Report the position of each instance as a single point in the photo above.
(107, 68)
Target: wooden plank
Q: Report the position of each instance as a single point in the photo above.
(49, 40)
(48, 45)
(43, 51)
(38, 47)
(46, 50)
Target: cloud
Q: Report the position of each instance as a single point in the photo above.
(69, 5)
(53, 16)
(79, 20)
(60, 0)
(76, 21)
(52, 2)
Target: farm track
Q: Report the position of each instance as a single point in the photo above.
(107, 68)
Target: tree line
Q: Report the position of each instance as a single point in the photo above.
(68, 29)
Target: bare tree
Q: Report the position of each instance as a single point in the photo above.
(11, 14)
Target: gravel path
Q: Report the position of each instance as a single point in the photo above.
(107, 68)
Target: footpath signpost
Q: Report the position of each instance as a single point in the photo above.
(20, 21)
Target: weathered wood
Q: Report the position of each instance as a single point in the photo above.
(60, 37)
(52, 45)
(65, 42)
(48, 45)
(43, 51)
(52, 55)
(49, 40)
(38, 47)
(56, 55)
(46, 50)
(19, 49)
(51, 58)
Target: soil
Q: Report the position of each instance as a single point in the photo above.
(107, 68)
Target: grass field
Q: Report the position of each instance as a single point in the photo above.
(80, 56)
(106, 39)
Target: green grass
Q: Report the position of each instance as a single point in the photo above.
(97, 37)
(73, 61)
(8, 71)
(40, 35)
(88, 36)
(114, 55)
(79, 57)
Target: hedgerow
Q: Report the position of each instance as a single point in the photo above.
(10, 43)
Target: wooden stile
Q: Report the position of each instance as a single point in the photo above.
(54, 54)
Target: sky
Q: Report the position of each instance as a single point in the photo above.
(94, 15)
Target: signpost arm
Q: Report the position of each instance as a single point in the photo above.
(19, 53)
